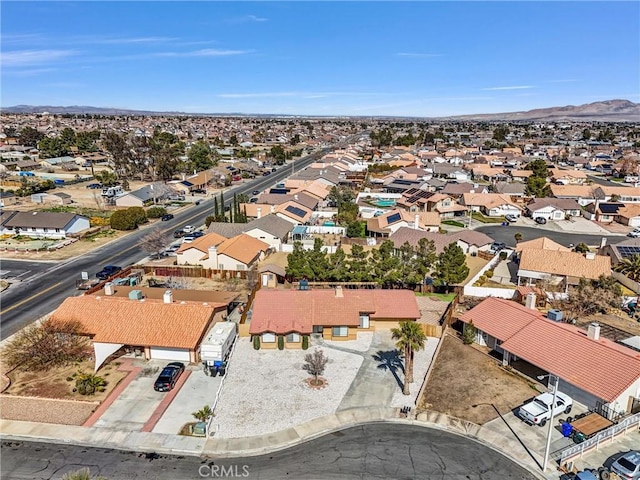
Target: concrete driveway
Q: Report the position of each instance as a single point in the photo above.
(574, 225)
(199, 390)
(133, 407)
(532, 438)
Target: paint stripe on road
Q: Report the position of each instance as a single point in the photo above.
(22, 302)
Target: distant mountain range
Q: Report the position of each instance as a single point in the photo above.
(605, 111)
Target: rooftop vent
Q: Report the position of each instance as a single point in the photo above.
(135, 295)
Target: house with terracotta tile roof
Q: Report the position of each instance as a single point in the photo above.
(293, 212)
(629, 215)
(336, 314)
(559, 267)
(418, 200)
(387, 223)
(161, 329)
(491, 204)
(195, 252)
(238, 253)
(541, 243)
(623, 194)
(603, 212)
(621, 250)
(583, 194)
(568, 177)
(592, 370)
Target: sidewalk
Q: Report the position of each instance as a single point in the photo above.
(259, 445)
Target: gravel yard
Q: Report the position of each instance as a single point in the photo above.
(46, 410)
(265, 392)
(421, 362)
(361, 344)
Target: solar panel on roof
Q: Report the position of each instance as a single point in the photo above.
(298, 212)
(393, 218)
(609, 207)
(628, 251)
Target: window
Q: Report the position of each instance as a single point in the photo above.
(293, 338)
(268, 338)
(57, 230)
(340, 331)
(364, 320)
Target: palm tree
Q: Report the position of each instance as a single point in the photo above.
(203, 414)
(410, 338)
(630, 266)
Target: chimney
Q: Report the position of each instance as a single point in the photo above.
(416, 221)
(213, 257)
(109, 288)
(168, 296)
(273, 208)
(590, 255)
(594, 331)
(603, 242)
(295, 197)
(259, 212)
(530, 301)
(339, 293)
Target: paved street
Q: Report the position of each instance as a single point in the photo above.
(43, 293)
(374, 451)
(506, 235)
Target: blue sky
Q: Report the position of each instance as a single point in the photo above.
(320, 58)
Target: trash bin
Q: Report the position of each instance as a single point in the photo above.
(566, 429)
(504, 224)
(579, 437)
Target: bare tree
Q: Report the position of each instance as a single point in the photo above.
(315, 363)
(48, 345)
(155, 242)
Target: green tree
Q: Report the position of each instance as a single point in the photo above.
(68, 138)
(314, 364)
(204, 414)
(107, 178)
(30, 137)
(582, 248)
(337, 266)
(359, 266)
(586, 134)
(317, 262)
(297, 263)
(50, 147)
(451, 266)
(518, 237)
(165, 148)
(500, 133)
(537, 187)
(469, 333)
(539, 168)
(278, 154)
(629, 266)
(410, 338)
(86, 141)
(355, 229)
(156, 212)
(200, 156)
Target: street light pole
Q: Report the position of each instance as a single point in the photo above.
(553, 404)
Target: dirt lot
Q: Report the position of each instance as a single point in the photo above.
(56, 384)
(463, 376)
(475, 264)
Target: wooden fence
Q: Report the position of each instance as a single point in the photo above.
(192, 272)
(447, 316)
(485, 255)
(250, 298)
(432, 330)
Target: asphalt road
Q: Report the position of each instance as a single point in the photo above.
(375, 451)
(40, 294)
(507, 235)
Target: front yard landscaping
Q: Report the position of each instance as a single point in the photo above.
(463, 376)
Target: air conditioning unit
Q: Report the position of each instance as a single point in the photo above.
(135, 295)
(109, 288)
(555, 315)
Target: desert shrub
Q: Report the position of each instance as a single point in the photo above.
(469, 333)
(156, 212)
(88, 383)
(488, 273)
(256, 342)
(128, 219)
(99, 221)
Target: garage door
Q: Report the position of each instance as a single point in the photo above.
(579, 395)
(176, 354)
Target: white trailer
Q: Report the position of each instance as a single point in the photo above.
(216, 346)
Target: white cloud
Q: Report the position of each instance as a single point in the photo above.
(255, 18)
(205, 52)
(295, 94)
(418, 55)
(515, 87)
(21, 58)
(247, 19)
(134, 40)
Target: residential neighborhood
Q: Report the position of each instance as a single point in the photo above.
(259, 283)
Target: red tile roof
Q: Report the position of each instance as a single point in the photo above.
(598, 366)
(148, 323)
(558, 348)
(284, 311)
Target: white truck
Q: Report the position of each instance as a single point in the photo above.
(216, 346)
(537, 411)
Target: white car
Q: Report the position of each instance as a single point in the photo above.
(511, 218)
(635, 233)
(189, 229)
(537, 411)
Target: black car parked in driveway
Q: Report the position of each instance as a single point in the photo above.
(168, 377)
(167, 217)
(540, 220)
(108, 271)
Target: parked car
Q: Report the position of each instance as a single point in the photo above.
(634, 233)
(189, 229)
(167, 217)
(253, 200)
(266, 173)
(94, 186)
(188, 239)
(511, 218)
(177, 198)
(497, 246)
(537, 411)
(168, 377)
(108, 271)
(628, 465)
(179, 233)
(540, 220)
(197, 234)
(583, 475)
(199, 190)
(255, 192)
